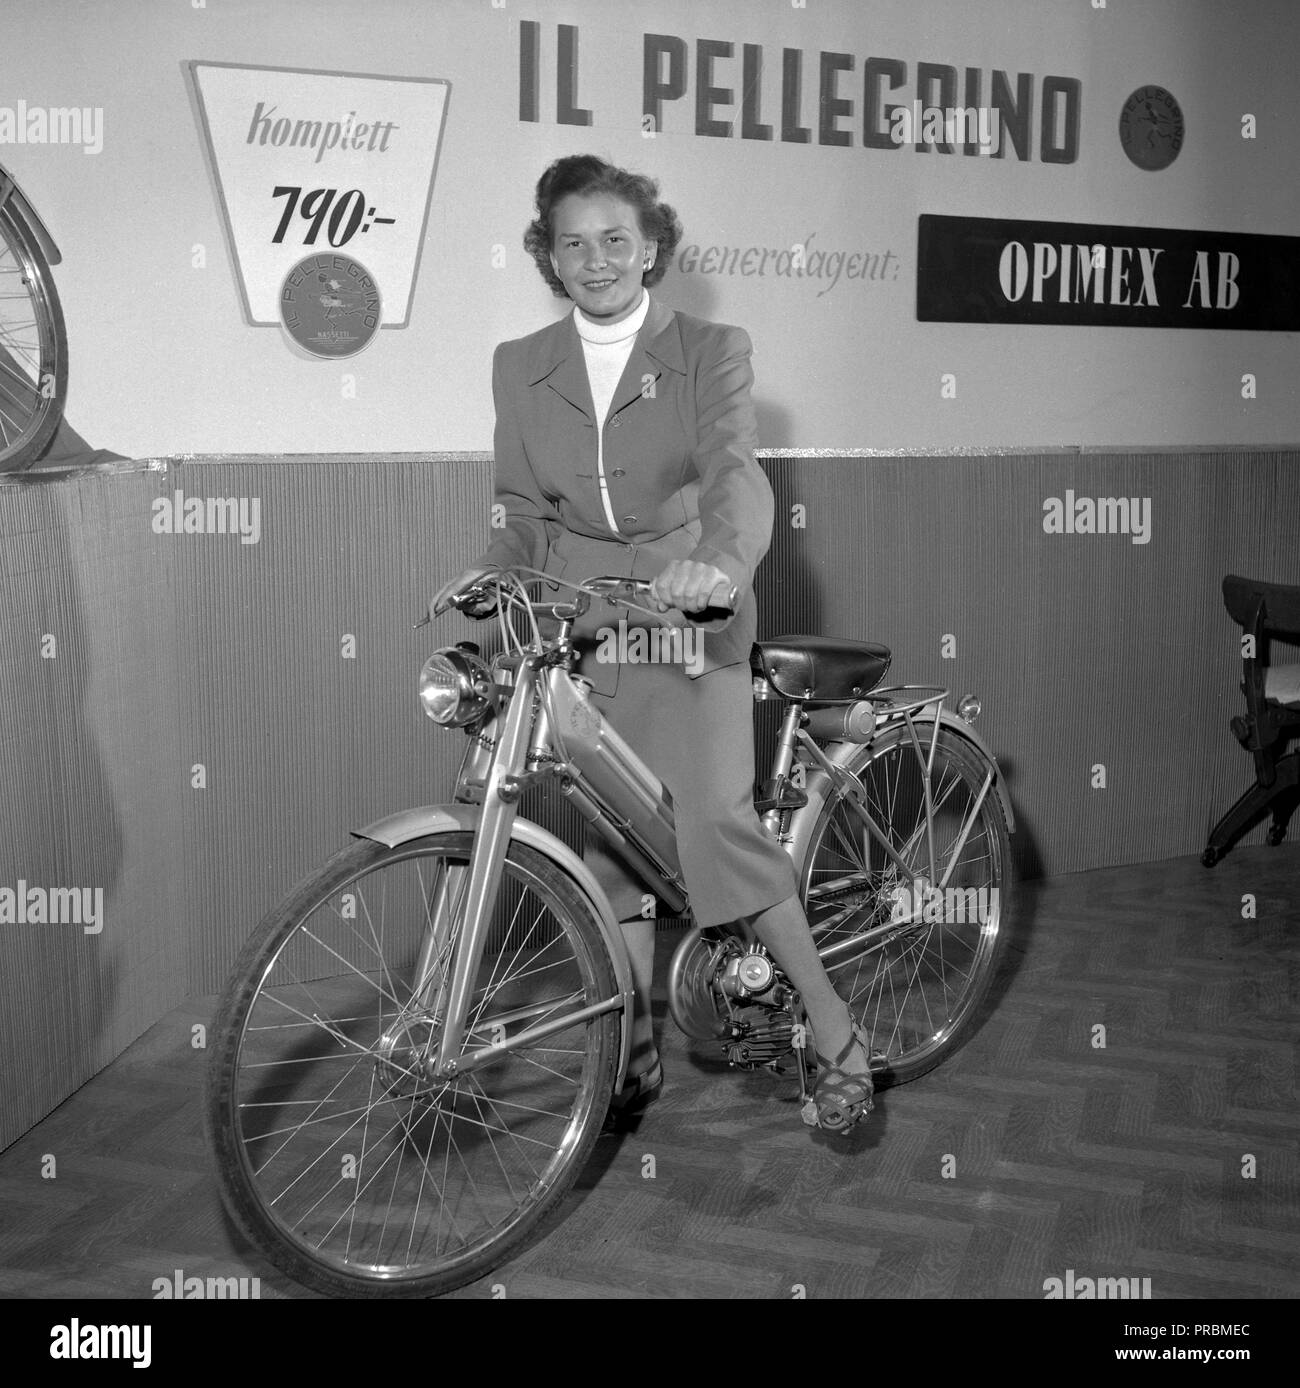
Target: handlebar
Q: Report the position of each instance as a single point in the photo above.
(614, 590)
(477, 601)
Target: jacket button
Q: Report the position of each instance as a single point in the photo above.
(615, 422)
(629, 520)
(619, 472)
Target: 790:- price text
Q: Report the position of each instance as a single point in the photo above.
(342, 218)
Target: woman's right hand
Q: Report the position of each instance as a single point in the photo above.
(438, 603)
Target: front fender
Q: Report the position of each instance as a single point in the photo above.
(423, 820)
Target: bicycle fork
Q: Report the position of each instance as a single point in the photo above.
(460, 915)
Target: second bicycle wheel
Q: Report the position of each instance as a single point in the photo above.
(33, 344)
(353, 1167)
(911, 949)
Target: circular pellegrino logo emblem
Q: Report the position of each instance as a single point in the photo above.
(1151, 128)
(583, 719)
(329, 305)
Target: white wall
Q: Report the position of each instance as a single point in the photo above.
(162, 361)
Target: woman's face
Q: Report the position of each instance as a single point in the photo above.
(599, 254)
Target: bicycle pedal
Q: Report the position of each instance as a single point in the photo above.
(809, 1113)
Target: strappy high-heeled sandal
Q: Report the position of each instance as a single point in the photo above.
(843, 1097)
(637, 1094)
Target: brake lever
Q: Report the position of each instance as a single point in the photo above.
(464, 609)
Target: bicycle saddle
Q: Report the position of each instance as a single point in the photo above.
(820, 669)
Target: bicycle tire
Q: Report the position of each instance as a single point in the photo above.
(892, 1065)
(289, 1248)
(32, 397)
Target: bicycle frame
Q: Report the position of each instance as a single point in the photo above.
(914, 708)
(613, 790)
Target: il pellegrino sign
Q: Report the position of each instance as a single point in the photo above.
(993, 270)
(330, 165)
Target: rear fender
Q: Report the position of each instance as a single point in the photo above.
(818, 784)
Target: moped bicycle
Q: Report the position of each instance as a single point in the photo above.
(33, 340)
(417, 1049)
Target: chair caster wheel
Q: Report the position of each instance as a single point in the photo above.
(1210, 857)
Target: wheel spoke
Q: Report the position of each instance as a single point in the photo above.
(912, 985)
(377, 1167)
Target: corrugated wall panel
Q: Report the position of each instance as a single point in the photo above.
(179, 651)
(87, 746)
(1088, 650)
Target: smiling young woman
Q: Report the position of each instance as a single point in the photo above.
(624, 444)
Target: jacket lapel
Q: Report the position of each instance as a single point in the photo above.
(559, 363)
(658, 346)
(559, 366)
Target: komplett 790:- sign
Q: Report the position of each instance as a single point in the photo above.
(322, 167)
(996, 270)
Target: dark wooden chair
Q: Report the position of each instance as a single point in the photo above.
(1272, 711)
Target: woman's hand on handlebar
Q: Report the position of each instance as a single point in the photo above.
(441, 600)
(691, 586)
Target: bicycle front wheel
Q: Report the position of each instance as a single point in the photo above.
(341, 1155)
(912, 944)
(33, 346)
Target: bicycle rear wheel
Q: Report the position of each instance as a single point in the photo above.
(33, 345)
(911, 953)
(340, 1155)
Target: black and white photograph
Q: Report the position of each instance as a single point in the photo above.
(650, 652)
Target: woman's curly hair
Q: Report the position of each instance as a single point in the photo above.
(587, 174)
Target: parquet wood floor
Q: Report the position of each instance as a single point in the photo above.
(1032, 1152)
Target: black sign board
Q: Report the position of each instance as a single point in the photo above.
(995, 270)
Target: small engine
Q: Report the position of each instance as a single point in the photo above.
(761, 1035)
(752, 976)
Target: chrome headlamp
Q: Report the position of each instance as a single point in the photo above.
(455, 686)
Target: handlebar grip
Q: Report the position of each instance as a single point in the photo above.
(729, 607)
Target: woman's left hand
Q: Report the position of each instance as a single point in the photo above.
(691, 586)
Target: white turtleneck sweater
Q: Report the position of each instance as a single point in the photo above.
(606, 347)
